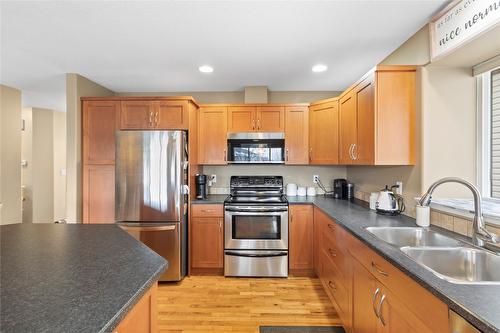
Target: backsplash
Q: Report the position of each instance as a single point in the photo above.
(300, 175)
(447, 221)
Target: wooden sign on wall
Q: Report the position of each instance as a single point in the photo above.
(461, 21)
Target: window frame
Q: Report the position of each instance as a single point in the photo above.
(483, 86)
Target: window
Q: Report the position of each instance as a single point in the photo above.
(489, 145)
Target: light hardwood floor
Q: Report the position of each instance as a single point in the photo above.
(218, 304)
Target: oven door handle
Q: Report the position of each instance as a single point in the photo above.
(257, 255)
(256, 210)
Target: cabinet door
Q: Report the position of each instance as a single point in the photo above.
(324, 133)
(301, 237)
(317, 241)
(347, 128)
(99, 194)
(241, 119)
(270, 119)
(212, 138)
(142, 318)
(207, 242)
(99, 126)
(137, 115)
(364, 150)
(296, 135)
(171, 114)
(394, 316)
(364, 292)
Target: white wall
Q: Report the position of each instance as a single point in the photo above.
(10, 155)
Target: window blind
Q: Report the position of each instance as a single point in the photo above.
(495, 134)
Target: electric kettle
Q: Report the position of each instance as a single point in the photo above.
(389, 203)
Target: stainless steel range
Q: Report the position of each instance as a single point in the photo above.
(256, 227)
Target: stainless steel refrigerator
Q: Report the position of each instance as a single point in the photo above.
(151, 193)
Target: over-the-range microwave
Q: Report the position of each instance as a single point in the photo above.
(256, 148)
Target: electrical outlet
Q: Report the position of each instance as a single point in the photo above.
(399, 189)
(315, 179)
(213, 178)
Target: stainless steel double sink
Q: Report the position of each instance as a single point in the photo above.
(448, 258)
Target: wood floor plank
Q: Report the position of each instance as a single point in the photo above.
(217, 304)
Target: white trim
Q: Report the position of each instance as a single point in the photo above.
(484, 136)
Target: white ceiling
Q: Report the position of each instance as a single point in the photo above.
(153, 46)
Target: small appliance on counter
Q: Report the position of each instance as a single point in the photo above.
(311, 191)
(389, 203)
(340, 188)
(301, 191)
(201, 186)
(291, 190)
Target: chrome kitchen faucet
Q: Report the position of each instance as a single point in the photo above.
(481, 236)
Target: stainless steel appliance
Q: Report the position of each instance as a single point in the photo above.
(340, 188)
(201, 186)
(256, 148)
(256, 227)
(151, 193)
(389, 203)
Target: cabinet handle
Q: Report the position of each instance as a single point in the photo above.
(381, 272)
(253, 124)
(380, 314)
(286, 154)
(206, 210)
(220, 224)
(291, 218)
(350, 151)
(331, 285)
(310, 154)
(225, 156)
(156, 118)
(375, 294)
(332, 252)
(354, 151)
(331, 226)
(150, 118)
(258, 123)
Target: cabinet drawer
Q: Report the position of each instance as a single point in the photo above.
(426, 306)
(207, 210)
(335, 289)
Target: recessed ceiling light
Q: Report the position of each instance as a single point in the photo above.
(206, 69)
(319, 68)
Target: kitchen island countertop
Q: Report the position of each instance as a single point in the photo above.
(71, 277)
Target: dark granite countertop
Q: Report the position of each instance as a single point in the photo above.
(71, 277)
(479, 304)
(211, 199)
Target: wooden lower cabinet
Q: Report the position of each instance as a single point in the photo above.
(370, 294)
(207, 239)
(142, 318)
(99, 194)
(301, 260)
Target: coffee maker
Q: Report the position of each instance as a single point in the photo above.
(340, 189)
(201, 186)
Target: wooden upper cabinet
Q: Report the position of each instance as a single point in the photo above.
(172, 114)
(301, 237)
(270, 119)
(323, 132)
(212, 135)
(99, 194)
(250, 118)
(137, 115)
(99, 125)
(364, 149)
(347, 128)
(377, 118)
(296, 135)
(241, 119)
